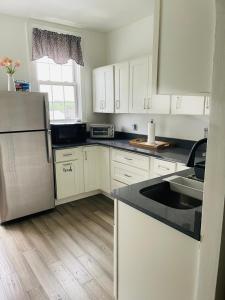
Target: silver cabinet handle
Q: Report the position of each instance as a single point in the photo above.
(164, 168)
(178, 102)
(145, 106)
(68, 154)
(128, 158)
(126, 175)
(49, 146)
(117, 104)
(85, 155)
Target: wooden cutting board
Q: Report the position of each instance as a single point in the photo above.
(141, 143)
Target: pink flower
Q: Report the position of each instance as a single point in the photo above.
(17, 63)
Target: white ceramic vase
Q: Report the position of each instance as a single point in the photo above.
(11, 84)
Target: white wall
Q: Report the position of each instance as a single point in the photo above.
(133, 41)
(16, 43)
(130, 41)
(183, 127)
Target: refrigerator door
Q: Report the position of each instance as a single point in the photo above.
(26, 175)
(22, 111)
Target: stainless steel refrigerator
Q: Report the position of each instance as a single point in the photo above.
(26, 172)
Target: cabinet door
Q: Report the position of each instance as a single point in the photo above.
(150, 258)
(103, 90)
(69, 178)
(187, 105)
(91, 168)
(121, 76)
(104, 165)
(185, 46)
(139, 85)
(98, 90)
(159, 104)
(109, 89)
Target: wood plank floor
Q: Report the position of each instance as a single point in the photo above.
(64, 254)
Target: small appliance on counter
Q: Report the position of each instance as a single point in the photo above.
(102, 131)
(199, 167)
(68, 133)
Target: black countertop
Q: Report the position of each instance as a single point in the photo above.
(178, 153)
(187, 221)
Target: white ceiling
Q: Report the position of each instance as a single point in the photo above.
(102, 15)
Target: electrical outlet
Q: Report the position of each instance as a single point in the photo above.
(135, 127)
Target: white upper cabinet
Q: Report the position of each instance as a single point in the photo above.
(121, 75)
(188, 105)
(159, 104)
(103, 89)
(140, 84)
(185, 52)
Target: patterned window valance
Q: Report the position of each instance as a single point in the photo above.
(59, 47)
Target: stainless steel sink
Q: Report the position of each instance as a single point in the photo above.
(176, 192)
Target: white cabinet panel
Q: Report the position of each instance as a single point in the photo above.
(103, 89)
(117, 184)
(186, 46)
(127, 174)
(161, 167)
(139, 85)
(159, 104)
(69, 178)
(151, 258)
(131, 159)
(181, 167)
(121, 75)
(91, 168)
(187, 105)
(104, 169)
(68, 154)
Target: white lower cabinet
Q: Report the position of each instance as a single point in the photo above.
(104, 172)
(91, 168)
(143, 268)
(70, 177)
(161, 167)
(128, 168)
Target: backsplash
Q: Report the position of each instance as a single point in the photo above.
(180, 127)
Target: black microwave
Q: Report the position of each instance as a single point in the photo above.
(66, 134)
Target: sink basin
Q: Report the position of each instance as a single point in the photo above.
(163, 193)
(186, 186)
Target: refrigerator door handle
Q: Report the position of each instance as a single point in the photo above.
(49, 146)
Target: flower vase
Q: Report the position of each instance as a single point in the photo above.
(11, 84)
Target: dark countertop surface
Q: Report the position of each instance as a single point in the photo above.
(187, 221)
(176, 154)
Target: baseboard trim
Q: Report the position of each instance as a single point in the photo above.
(77, 197)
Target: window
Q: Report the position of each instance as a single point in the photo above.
(61, 82)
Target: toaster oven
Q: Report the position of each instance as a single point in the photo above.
(102, 131)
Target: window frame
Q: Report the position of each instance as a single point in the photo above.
(75, 83)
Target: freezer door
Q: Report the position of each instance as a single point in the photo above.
(26, 174)
(20, 111)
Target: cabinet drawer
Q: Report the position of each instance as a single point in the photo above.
(127, 174)
(162, 167)
(131, 159)
(68, 154)
(116, 184)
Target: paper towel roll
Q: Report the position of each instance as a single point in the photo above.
(151, 132)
